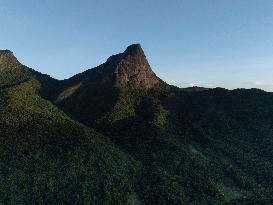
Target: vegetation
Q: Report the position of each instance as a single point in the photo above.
(47, 158)
(87, 141)
(204, 147)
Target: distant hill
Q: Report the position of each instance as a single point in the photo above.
(118, 134)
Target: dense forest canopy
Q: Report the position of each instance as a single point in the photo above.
(118, 134)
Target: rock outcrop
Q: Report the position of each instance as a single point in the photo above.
(132, 68)
(8, 60)
(12, 72)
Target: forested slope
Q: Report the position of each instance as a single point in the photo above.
(48, 158)
(117, 134)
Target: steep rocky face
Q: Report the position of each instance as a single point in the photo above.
(12, 72)
(8, 60)
(133, 69)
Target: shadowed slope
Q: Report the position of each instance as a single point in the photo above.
(90, 96)
(193, 146)
(47, 158)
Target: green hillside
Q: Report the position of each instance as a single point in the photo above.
(117, 134)
(47, 158)
(208, 147)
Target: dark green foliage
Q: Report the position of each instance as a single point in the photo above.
(162, 145)
(205, 147)
(47, 158)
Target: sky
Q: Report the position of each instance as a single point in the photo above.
(209, 43)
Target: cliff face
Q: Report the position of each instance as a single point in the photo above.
(8, 60)
(12, 72)
(133, 69)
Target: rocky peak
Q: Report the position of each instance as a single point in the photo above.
(134, 49)
(12, 72)
(8, 60)
(132, 68)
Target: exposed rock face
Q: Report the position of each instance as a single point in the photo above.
(12, 72)
(132, 68)
(8, 60)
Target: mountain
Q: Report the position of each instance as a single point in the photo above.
(118, 134)
(129, 68)
(12, 71)
(48, 158)
(92, 95)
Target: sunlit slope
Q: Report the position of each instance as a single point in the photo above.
(48, 158)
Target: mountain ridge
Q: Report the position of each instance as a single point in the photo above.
(118, 69)
(9, 57)
(117, 134)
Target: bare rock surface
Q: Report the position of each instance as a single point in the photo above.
(8, 60)
(132, 68)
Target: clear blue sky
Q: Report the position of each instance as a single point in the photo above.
(227, 43)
